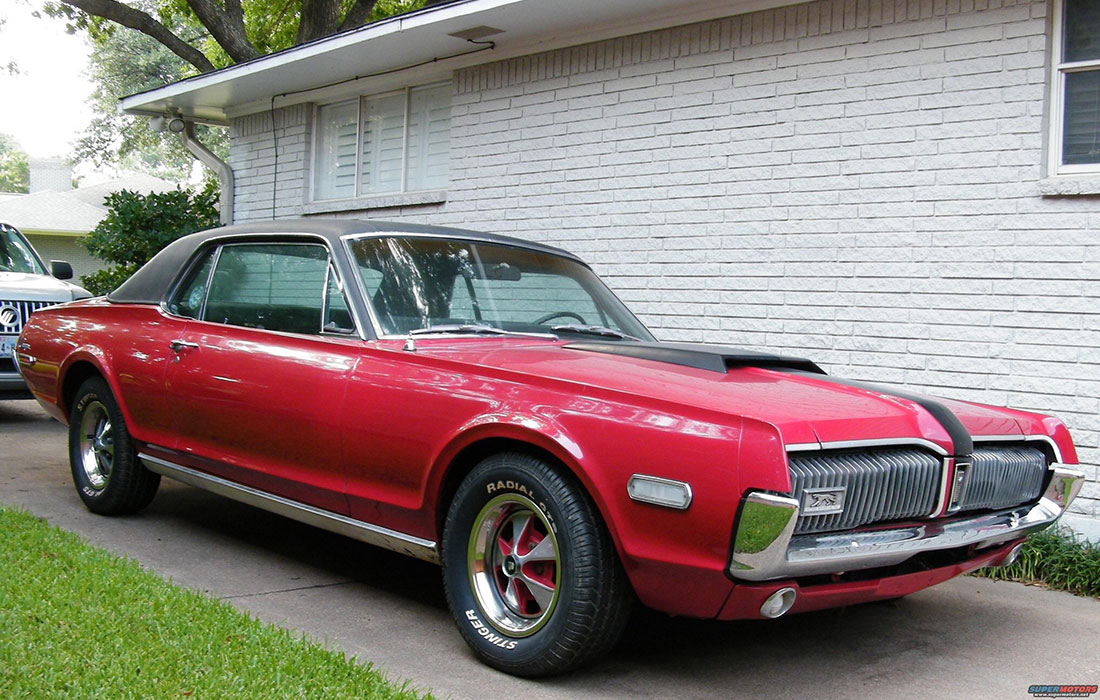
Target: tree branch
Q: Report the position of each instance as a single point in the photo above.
(319, 18)
(227, 27)
(357, 14)
(136, 19)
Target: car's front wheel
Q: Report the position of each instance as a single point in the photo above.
(530, 573)
(106, 471)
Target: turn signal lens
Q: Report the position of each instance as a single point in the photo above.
(658, 491)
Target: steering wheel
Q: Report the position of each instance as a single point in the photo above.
(543, 319)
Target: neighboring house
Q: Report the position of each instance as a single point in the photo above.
(54, 216)
(902, 190)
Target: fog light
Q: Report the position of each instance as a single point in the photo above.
(778, 603)
(1013, 555)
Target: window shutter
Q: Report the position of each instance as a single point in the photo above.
(334, 164)
(383, 126)
(429, 137)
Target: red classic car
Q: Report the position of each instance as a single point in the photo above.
(488, 404)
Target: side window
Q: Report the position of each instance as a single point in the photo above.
(190, 295)
(337, 315)
(272, 286)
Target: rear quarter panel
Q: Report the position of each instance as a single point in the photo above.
(127, 344)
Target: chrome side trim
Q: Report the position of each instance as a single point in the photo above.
(877, 442)
(356, 529)
(802, 446)
(1022, 438)
(764, 551)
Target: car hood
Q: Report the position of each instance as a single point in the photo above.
(805, 407)
(21, 286)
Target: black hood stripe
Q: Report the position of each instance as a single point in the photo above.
(717, 358)
(713, 358)
(961, 439)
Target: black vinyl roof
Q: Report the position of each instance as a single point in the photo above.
(151, 283)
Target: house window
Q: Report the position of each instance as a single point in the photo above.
(1076, 82)
(383, 144)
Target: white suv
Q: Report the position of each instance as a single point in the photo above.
(25, 287)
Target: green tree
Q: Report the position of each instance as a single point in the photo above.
(175, 39)
(208, 34)
(122, 63)
(138, 226)
(15, 172)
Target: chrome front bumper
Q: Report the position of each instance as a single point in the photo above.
(766, 548)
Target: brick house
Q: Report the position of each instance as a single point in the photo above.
(903, 190)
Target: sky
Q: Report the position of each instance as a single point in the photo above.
(45, 106)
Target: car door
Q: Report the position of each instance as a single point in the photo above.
(259, 375)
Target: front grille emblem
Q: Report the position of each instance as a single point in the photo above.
(9, 316)
(823, 501)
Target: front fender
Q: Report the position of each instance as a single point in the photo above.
(664, 551)
(537, 431)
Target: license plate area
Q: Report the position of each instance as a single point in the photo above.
(7, 346)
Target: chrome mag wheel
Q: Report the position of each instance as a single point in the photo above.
(97, 445)
(514, 564)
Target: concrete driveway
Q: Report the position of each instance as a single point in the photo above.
(966, 638)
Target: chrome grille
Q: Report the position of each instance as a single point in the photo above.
(886, 484)
(1004, 476)
(23, 311)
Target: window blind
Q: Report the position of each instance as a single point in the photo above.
(383, 124)
(334, 164)
(1081, 118)
(429, 135)
(380, 145)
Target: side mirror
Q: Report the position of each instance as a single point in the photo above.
(61, 269)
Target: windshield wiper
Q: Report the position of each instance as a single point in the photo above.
(602, 331)
(474, 329)
(459, 328)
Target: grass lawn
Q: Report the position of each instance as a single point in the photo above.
(76, 621)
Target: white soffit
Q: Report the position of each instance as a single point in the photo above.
(528, 26)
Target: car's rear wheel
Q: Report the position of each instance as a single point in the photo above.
(530, 573)
(106, 471)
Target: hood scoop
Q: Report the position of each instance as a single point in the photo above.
(714, 358)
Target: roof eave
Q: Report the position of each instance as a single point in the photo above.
(417, 40)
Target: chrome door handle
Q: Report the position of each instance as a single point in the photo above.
(181, 345)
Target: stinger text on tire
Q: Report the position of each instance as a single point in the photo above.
(530, 573)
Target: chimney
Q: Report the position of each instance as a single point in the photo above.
(50, 175)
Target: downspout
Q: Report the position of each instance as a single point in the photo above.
(219, 166)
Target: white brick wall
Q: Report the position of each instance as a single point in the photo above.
(856, 181)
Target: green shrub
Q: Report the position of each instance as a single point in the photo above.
(138, 226)
(1056, 558)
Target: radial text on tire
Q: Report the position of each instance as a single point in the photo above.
(530, 573)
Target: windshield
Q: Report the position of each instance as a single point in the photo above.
(424, 283)
(16, 254)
